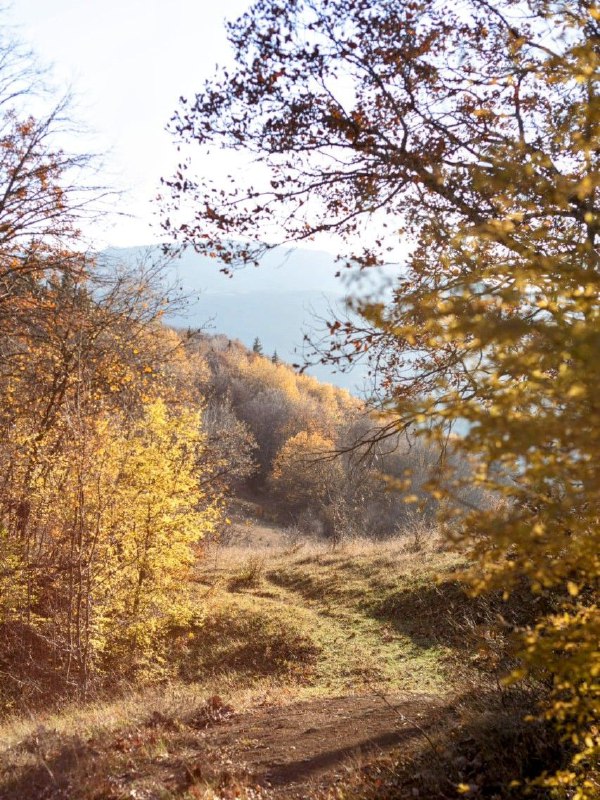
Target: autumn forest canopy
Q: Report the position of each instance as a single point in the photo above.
(123, 439)
(462, 141)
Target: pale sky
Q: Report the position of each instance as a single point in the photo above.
(128, 61)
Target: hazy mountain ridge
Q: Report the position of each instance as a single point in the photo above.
(290, 295)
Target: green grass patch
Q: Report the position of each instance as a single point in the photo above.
(327, 618)
(252, 636)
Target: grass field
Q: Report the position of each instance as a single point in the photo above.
(329, 621)
(313, 673)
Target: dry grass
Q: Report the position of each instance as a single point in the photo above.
(271, 544)
(233, 613)
(328, 602)
(481, 748)
(175, 699)
(287, 620)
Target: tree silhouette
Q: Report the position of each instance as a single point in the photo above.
(257, 347)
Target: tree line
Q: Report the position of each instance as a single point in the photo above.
(105, 492)
(309, 451)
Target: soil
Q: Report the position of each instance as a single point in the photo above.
(297, 750)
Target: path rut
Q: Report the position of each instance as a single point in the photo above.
(298, 750)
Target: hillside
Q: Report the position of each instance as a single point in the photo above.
(313, 674)
(223, 578)
(225, 599)
(291, 294)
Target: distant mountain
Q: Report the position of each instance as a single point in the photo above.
(288, 296)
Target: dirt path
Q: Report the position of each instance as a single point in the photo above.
(297, 750)
(291, 752)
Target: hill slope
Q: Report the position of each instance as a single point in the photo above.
(289, 295)
(279, 689)
(316, 675)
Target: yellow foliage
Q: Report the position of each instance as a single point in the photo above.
(305, 474)
(320, 406)
(520, 312)
(154, 512)
(101, 503)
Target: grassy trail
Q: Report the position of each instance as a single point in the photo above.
(304, 658)
(343, 603)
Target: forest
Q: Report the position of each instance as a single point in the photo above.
(222, 578)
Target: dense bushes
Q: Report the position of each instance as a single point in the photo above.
(100, 500)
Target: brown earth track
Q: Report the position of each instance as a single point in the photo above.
(297, 750)
(294, 751)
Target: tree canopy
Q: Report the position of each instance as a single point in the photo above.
(469, 136)
(105, 490)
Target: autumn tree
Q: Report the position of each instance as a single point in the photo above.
(305, 476)
(257, 347)
(45, 190)
(103, 490)
(468, 135)
(230, 446)
(154, 511)
(269, 398)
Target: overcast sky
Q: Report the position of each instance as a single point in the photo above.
(128, 61)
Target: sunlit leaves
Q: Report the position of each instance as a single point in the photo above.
(304, 473)
(476, 132)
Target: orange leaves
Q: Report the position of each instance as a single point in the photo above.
(304, 473)
(81, 368)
